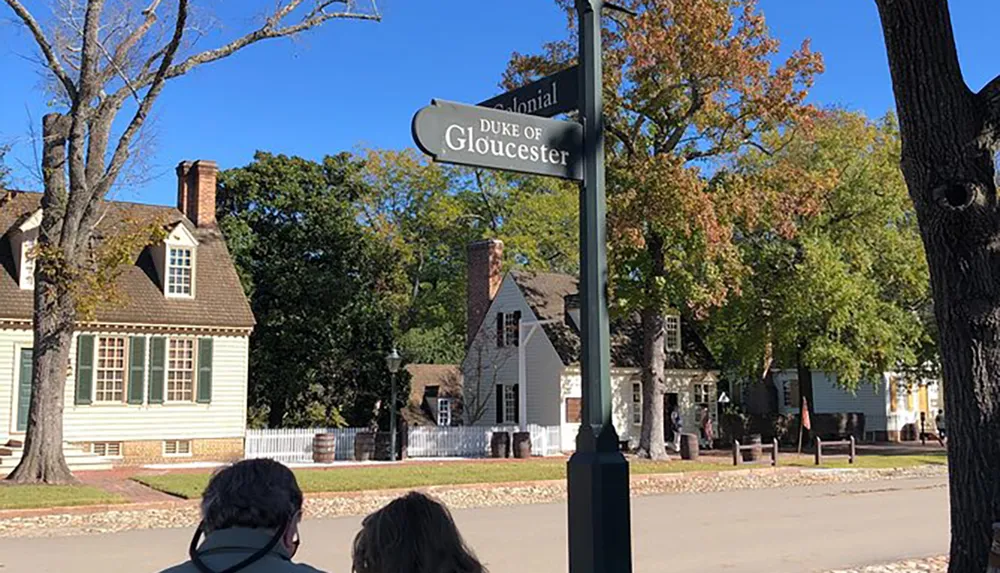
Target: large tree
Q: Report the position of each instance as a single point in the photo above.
(844, 288)
(320, 288)
(102, 58)
(689, 84)
(430, 212)
(951, 136)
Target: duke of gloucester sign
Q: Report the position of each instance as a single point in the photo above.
(482, 137)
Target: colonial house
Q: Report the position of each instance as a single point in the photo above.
(435, 395)
(522, 365)
(162, 374)
(892, 405)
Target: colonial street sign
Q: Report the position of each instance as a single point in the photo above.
(558, 93)
(481, 137)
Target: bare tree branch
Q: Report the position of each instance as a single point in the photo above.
(50, 56)
(269, 30)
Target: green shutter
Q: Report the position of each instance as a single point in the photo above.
(136, 369)
(204, 370)
(84, 369)
(157, 363)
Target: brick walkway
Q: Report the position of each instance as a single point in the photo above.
(119, 482)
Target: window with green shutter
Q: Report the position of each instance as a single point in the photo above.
(157, 368)
(205, 348)
(137, 370)
(84, 369)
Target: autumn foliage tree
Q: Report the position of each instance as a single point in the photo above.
(951, 137)
(689, 85)
(103, 57)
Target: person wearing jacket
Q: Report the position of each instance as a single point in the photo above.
(250, 519)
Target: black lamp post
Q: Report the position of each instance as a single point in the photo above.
(597, 474)
(393, 361)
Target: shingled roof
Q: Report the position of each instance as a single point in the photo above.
(429, 381)
(219, 300)
(546, 294)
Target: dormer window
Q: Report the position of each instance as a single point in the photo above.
(177, 263)
(23, 241)
(672, 334)
(180, 270)
(28, 265)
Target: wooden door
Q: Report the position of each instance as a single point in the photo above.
(23, 390)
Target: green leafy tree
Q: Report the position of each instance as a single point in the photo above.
(847, 292)
(689, 84)
(429, 213)
(321, 289)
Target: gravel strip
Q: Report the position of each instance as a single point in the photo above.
(932, 565)
(456, 497)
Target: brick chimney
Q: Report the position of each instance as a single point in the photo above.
(484, 260)
(196, 184)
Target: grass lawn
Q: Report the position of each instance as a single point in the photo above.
(190, 485)
(39, 496)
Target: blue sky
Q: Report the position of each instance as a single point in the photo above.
(354, 84)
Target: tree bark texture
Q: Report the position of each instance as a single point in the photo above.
(651, 437)
(43, 459)
(950, 140)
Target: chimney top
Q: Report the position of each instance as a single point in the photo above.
(196, 191)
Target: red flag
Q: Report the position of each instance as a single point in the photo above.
(805, 414)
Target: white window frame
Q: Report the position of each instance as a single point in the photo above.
(177, 453)
(27, 274)
(95, 448)
(170, 267)
(509, 404)
(168, 370)
(511, 329)
(98, 369)
(702, 391)
(636, 403)
(672, 333)
(444, 412)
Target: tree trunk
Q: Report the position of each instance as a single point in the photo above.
(651, 440)
(276, 413)
(950, 139)
(43, 460)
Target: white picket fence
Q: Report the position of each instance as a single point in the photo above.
(295, 445)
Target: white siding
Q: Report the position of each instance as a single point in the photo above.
(224, 417)
(542, 364)
(870, 399)
(680, 382)
(11, 342)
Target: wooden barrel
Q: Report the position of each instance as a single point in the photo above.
(689, 447)
(364, 446)
(756, 452)
(522, 445)
(500, 445)
(324, 446)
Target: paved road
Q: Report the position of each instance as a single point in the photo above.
(794, 530)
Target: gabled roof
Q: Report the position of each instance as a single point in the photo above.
(220, 301)
(446, 378)
(546, 294)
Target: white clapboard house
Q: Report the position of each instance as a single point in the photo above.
(522, 361)
(160, 377)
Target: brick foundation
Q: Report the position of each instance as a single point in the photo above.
(136, 453)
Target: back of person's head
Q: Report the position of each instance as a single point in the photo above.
(257, 494)
(413, 534)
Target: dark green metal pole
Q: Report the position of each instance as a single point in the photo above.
(598, 475)
(392, 421)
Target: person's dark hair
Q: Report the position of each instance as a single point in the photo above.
(413, 534)
(258, 494)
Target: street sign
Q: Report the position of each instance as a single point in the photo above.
(482, 137)
(555, 94)
(723, 399)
